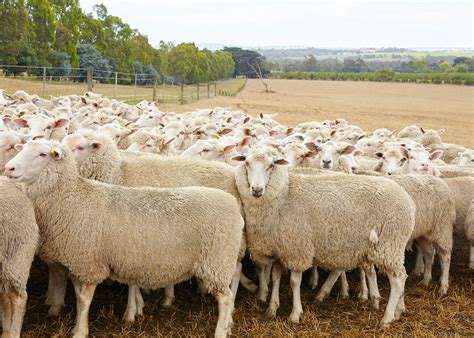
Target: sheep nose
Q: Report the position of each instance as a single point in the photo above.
(8, 170)
(256, 191)
(327, 161)
(389, 173)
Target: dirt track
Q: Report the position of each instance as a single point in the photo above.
(367, 104)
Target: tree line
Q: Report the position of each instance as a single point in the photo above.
(358, 65)
(58, 33)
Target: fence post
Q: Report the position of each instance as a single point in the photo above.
(215, 89)
(182, 92)
(208, 91)
(135, 91)
(89, 79)
(197, 91)
(155, 81)
(44, 82)
(115, 87)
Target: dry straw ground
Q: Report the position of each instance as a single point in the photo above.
(369, 105)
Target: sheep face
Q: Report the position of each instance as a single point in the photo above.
(330, 152)
(41, 126)
(8, 141)
(419, 161)
(295, 154)
(259, 166)
(81, 147)
(466, 158)
(31, 160)
(392, 161)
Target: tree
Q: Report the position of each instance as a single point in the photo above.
(354, 65)
(445, 67)
(42, 28)
(420, 65)
(14, 23)
(243, 59)
(182, 62)
(309, 64)
(90, 57)
(462, 68)
(61, 60)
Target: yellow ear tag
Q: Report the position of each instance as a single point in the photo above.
(215, 136)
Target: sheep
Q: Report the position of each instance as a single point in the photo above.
(462, 190)
(170, 235)
(465, 158)
(432, 139)
(435, 217)
(97, 158)
(8, 140)
(19, 237)
(410, 132)
(281, 227)
(469, 229)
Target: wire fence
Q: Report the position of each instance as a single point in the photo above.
(129, 87)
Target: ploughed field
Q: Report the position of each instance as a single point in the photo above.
(369, 105)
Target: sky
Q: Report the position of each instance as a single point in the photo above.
(308, 23)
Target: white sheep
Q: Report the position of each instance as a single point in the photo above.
(141, 236)
(281, 226)
(19, 237)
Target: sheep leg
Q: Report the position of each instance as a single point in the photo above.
(139, 302)
(295, 282)
(313, 281)
(226, 306)
(263, 282)
(18, 307)
(427, 251)
(328, 284)
(6, 308)
(373, 286)
(168, 299)
(56, 288)
(364, 292)
(445, 261)
(234, 284)
(247, 283)
(275, 298)
(419, 264)
(131, 310)
(202, 289)
(84, 294)
(344, 286)
(397, 287)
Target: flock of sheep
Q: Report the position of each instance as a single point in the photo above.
(100, 189)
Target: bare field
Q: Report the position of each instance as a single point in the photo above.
(367, 104)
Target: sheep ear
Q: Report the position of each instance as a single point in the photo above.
(357, 153)
(422, 130)
(280, 161)
(289, 130)
(21, 123)
(378, 154)
(239, 158)
(246, 131)
(83, 100)
(333, 132)
(404, 152)
(347, 150)
(273, 132)
(224, 131)
(312, 146)
(57, 153)
(378, 166)
(261, 115)
(96, 145)
(436, 154)
(60, 123)
(19, 147)
(245, 141)
(310, 154)
(227, 149)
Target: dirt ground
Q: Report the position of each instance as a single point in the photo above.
(367, 104)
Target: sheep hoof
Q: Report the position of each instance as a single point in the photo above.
(345, 296)
(54, 310)
(363, 297)
(167, 304)
(443, 291)
(320, 297)
(471, 265)
(270, 312)
(314, 286)
(262, 296)
(294, 317)
(376, 303)
(128, 318)
(384, 325)
(426, 282)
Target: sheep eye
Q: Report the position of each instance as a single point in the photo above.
(150, 117)
(383, 157)
(368, 144)
(49, 127)
(205, 150)
(80, 148)
(412, 158)
(43, 154)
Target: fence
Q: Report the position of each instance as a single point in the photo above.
(128, 87)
